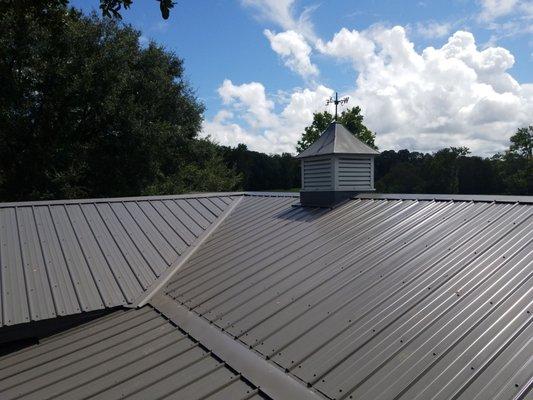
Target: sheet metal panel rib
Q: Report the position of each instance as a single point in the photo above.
(377, 299)
(60, 259)
(134, 354)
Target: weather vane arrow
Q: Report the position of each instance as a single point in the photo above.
(336, 101)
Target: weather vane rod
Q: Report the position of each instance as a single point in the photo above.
(336, 101)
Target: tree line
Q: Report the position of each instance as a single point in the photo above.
(448, 171)
(86, 111)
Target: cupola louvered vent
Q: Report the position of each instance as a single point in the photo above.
(317, 174)
(335, 167)
(355, 173)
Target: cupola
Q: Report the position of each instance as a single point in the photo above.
(335, 167)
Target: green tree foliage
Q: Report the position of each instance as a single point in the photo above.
(514, 168)
(86, 111)
(452, 170)
(400, 172)
(522, 142)
(442, 170)
(351, 119)
(262, 171)
(109, 8)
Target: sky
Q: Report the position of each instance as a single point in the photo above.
(426, 74)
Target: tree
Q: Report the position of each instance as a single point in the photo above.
(441, 172)
(475, 175)
(110, 8)
(262, 171)
(522, 142)
(351, 119)
(403, 177)
(86, 111)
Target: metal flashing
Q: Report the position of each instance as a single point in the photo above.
(272, 380)
(189, 251)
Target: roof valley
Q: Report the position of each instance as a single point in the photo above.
(163, 279)
(262, 373)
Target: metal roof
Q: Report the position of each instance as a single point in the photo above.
(336, 139)
(135, 354)
(378, 298)
(62, 258)
(383, 297)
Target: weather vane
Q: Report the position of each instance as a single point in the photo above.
(336, 101)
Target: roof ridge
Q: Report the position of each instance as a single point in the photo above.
(118, 199)
(447, 197)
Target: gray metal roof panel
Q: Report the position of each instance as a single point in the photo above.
(336, 139)
(135, 354)
(62, 258)
(376, 299)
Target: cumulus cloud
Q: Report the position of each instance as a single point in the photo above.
(455, 95)
(294, 50)
(262, 129)
(249, 98)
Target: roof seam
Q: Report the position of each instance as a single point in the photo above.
(104, 256)
(131, 238)
(144, 233)
(105, 225)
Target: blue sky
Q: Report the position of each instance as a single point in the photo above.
(262, 67)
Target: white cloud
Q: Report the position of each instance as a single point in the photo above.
(506, 18)
(249, 98)
(432, 29)
(282, 13)
(276, 133)
(492, 9)
(455, 95)
(294, 50)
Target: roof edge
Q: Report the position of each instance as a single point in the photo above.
(448, 197)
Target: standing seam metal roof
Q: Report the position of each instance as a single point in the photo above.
(376, 299)
(60, 259)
